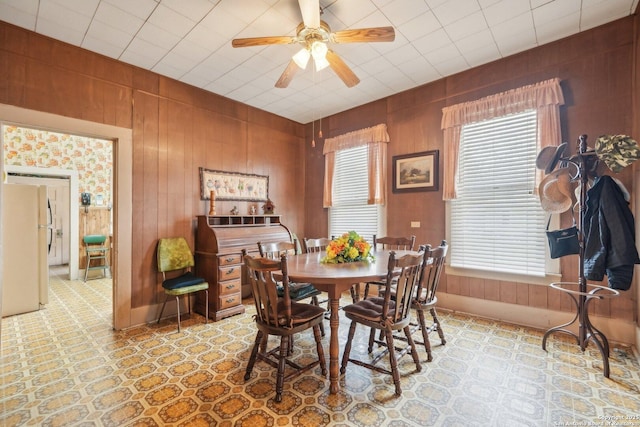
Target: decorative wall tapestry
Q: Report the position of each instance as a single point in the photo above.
(233, 186)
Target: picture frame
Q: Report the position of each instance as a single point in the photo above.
(233, 186)
(416, 172)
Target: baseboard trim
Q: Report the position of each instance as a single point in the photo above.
(616, 330)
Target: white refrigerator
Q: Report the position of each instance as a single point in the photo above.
(25, 284)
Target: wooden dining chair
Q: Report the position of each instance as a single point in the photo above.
(297, 291)
(388, 315)
(425, 298)
(393, 244)
(278, 315)
(315, 245)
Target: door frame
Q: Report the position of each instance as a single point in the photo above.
(122, 191)
(74, 216)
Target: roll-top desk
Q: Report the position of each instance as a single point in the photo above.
(219, 243)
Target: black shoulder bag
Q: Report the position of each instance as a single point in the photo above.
(563, 242)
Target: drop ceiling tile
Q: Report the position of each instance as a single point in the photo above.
(170, 21)
(466, 26)
(552, 11)
(139, 8)
(419, 26)
(57, 31)
(20, 12)
(83, 7)
(112, 37)
(433, 41)
(101, 46)
(504, 10)
(555, 30)
(448, 13)
(168, 68)
(443, 54)
(406, 53)
(191, 52)
(594, 11)
(451, 66)
(513, 35)
(56, 14)
(194, 10)
(352, 11)
(157, 36)
(245, 10)
(149, 53)
(399, 14)
(117, 18)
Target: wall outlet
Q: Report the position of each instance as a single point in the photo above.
(415, 224)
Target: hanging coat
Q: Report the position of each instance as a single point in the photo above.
(609, 234)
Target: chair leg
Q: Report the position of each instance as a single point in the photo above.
(372, 339)
(393, 361)
(318, 337)
(425, 334)
(347, 347)
(178, 306)
(206, 306)
(254, 355)
(284, 348)
(437, 323)
(162, 309)
(414, 351)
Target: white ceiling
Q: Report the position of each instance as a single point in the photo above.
(190, 41)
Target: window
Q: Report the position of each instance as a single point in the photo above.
(350, 210)
(496, 222)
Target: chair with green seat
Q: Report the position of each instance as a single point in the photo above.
(175, 259)
(96, 250)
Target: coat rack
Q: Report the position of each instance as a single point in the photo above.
(581, 292)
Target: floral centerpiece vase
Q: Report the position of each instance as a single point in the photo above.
(350, 247)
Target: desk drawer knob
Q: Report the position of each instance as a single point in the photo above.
(229, 259)
(229, 271)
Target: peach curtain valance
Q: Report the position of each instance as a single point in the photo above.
(545, 97)
(376, 139)
(356, 138)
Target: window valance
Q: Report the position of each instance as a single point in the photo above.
(376, 139)
(374, 134)
(545, 97)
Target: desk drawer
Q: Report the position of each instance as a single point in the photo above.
(230, 272)
(230, 287)
(229, 259)
(230, 300)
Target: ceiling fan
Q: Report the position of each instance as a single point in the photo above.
(314, 35)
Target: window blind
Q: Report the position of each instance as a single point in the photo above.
(497, 223)
(350, 210)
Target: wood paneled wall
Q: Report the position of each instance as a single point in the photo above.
(596, 68)
(176, 129)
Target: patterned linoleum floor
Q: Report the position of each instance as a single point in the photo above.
(65, 366)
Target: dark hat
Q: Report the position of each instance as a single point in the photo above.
(548, 157)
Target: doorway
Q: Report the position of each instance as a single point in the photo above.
(123, 315)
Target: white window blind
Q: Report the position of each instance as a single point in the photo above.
(350, 210)
(496, 222)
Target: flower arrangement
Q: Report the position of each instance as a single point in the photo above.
(349, 247)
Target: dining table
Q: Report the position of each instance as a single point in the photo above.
(335, 279)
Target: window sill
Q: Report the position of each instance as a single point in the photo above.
(504, 277)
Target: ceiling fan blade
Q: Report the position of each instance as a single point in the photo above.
(375, 34)
(342, 69)
(287, 75)
(310, 10)
(261, 41)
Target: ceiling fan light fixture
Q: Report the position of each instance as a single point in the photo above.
(319, 50)
(321, 63)
(301, 58)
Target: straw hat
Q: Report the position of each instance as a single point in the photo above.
(548, 157)
(555, 191)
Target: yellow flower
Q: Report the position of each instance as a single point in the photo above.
(349, 247)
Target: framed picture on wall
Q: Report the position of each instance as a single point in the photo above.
(415, 172)
(233, 186)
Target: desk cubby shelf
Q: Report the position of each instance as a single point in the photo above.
(242, 220)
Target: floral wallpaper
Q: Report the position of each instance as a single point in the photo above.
(90, 157)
